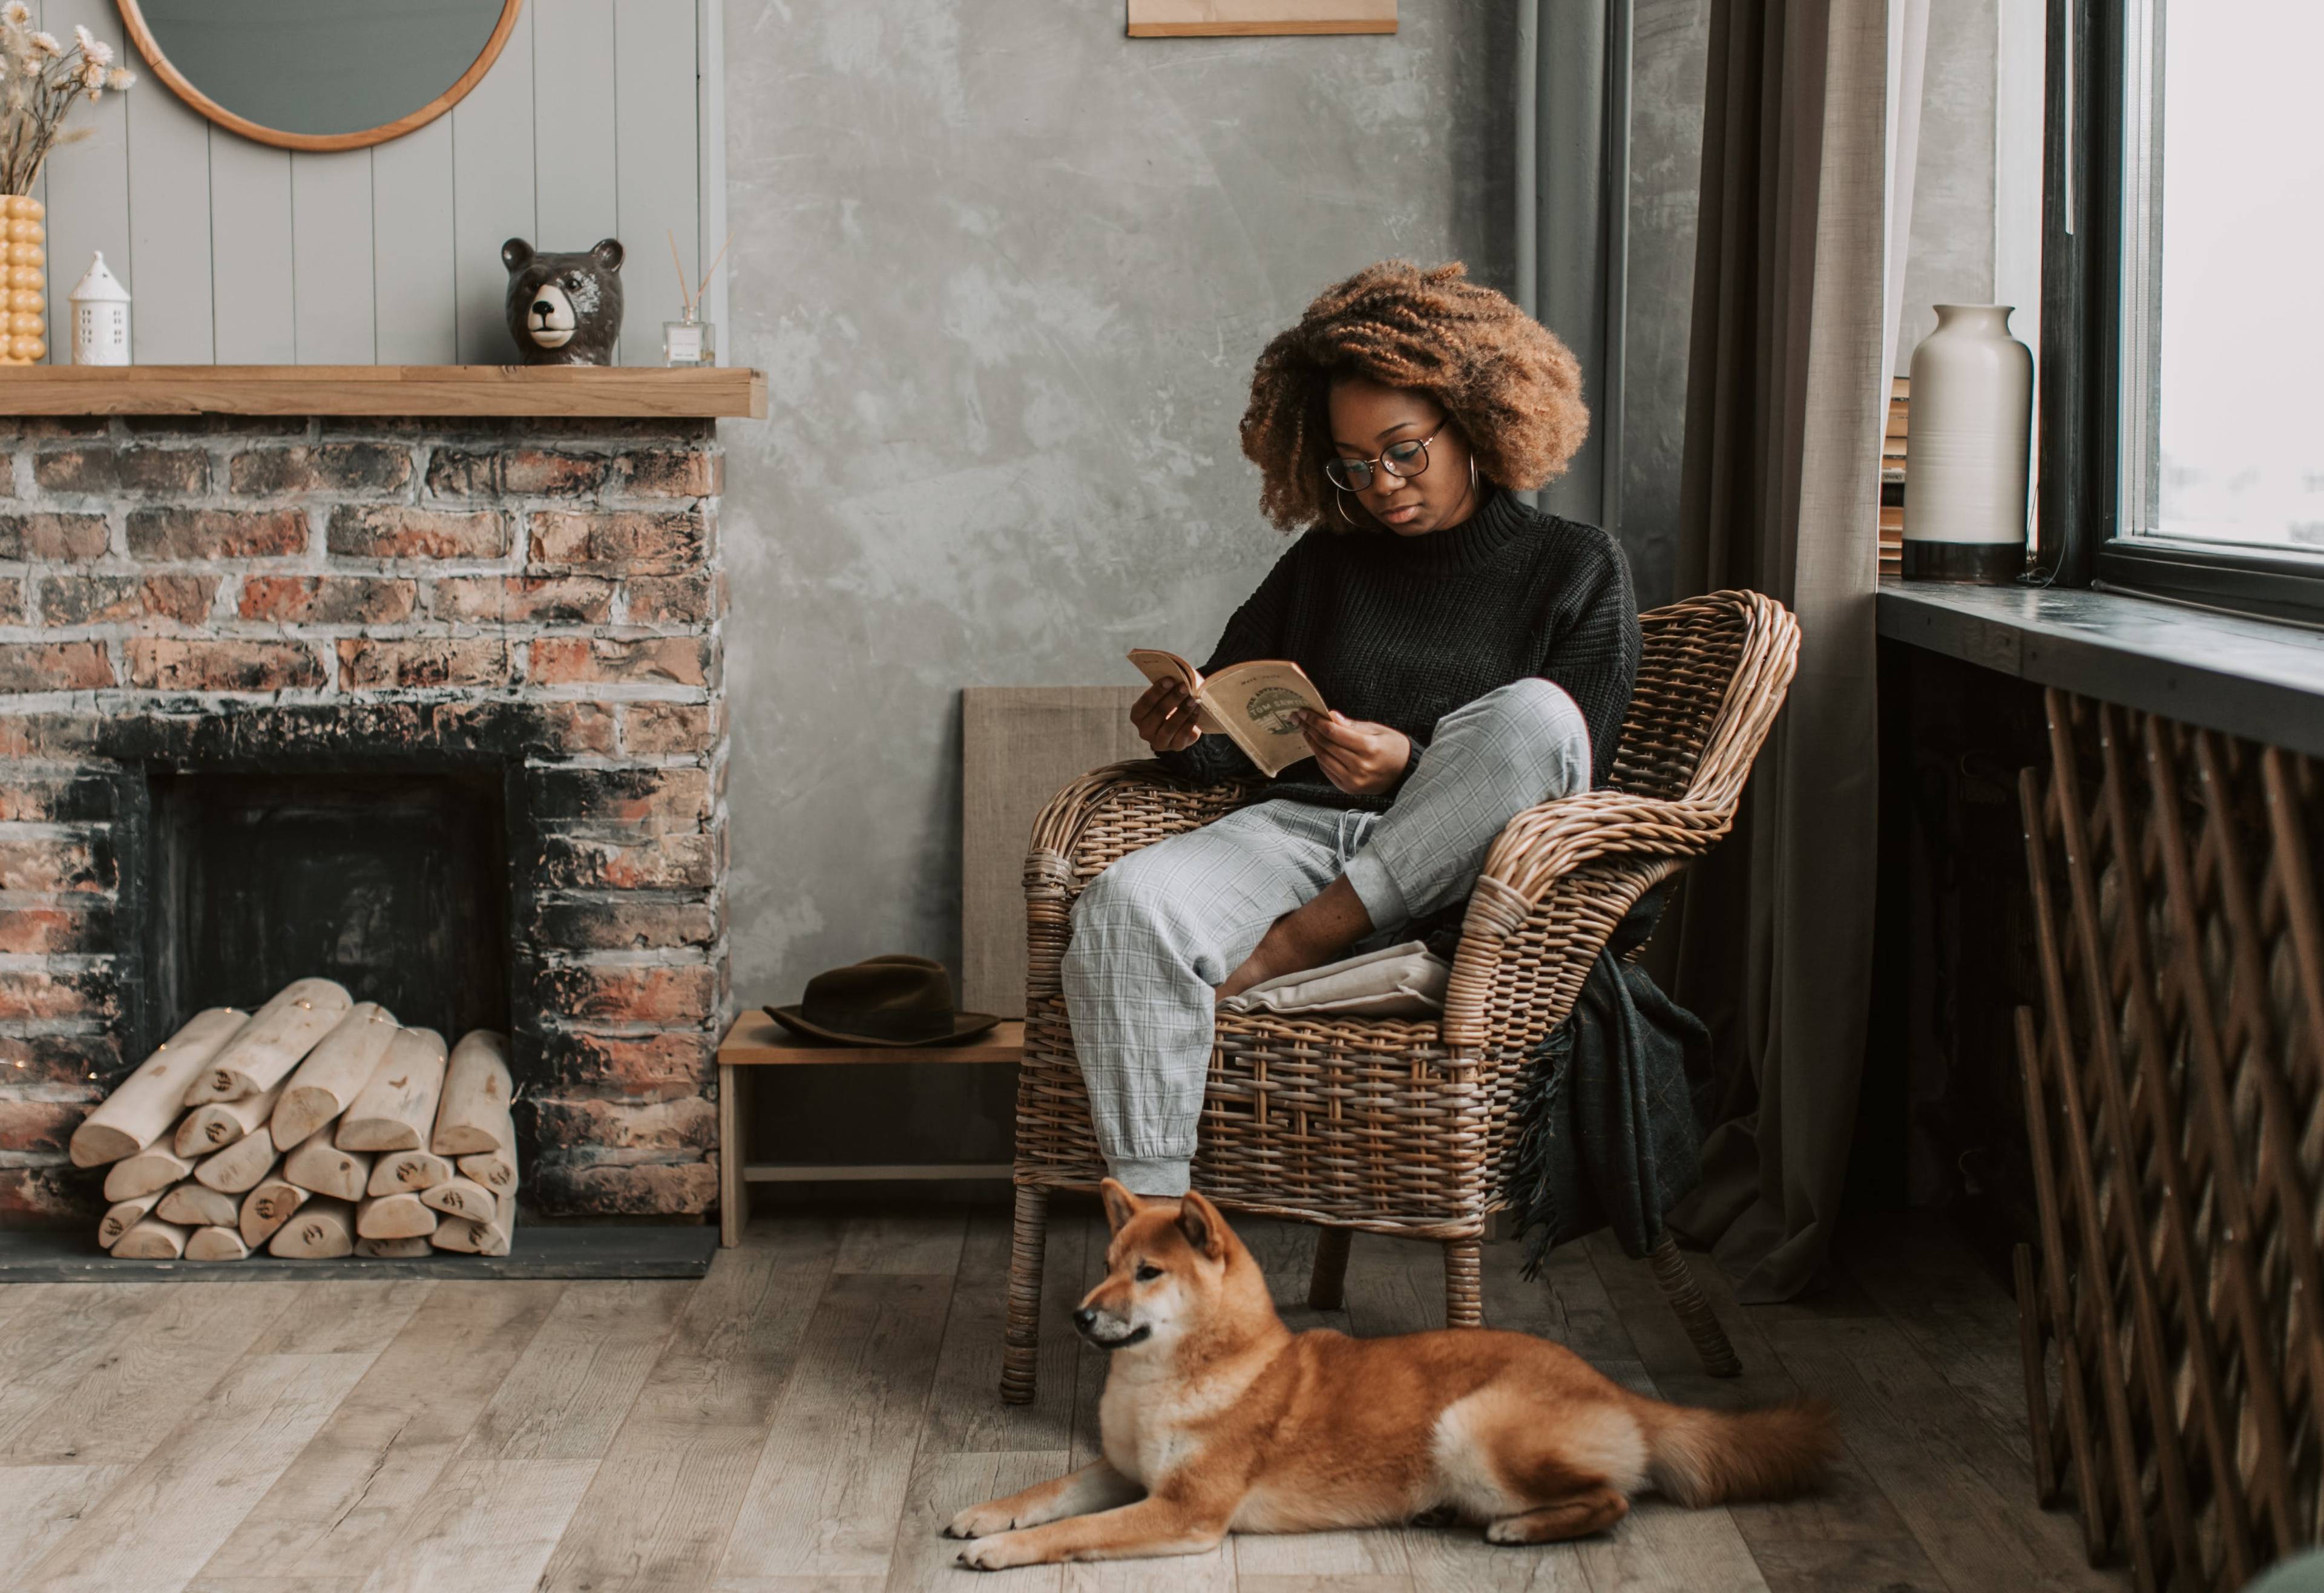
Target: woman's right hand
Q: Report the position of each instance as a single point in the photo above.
(1165, 715)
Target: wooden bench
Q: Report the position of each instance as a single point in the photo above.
(758, 1041)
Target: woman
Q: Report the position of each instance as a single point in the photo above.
(1477, 654)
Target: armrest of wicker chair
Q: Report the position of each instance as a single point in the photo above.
(1104, 816)
(1552, 839)
(1578, 863)
(1112, 812)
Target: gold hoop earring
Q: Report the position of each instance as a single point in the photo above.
(1339, 503)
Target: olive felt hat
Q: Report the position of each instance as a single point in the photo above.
(891, 1000)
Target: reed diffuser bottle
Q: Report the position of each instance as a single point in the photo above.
(691, 340)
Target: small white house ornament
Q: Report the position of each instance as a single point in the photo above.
(100, 317)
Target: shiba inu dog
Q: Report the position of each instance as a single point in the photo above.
(1218, 1419)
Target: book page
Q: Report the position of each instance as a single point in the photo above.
(1256, 703)
(1157, 667)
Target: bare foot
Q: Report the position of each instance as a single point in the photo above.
(1270, 958)
(1315, 933)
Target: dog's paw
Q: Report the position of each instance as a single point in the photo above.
(996, 1553)
(979, 1521)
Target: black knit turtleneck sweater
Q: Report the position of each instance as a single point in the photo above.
(1401, 631)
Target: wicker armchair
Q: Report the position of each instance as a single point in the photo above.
(1393, 1127)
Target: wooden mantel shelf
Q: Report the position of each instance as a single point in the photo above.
(581, 391)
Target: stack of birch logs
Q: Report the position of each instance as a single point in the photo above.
(317, 1126)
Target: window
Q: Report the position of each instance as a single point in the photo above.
(2191, 246)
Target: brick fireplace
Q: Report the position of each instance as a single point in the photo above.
(222, 635)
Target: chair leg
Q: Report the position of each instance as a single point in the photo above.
(1326, 1285)
(1020, 1355)
(1694, 1312)
(1464, 1284)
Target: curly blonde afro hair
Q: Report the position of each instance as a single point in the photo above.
(1513, 388)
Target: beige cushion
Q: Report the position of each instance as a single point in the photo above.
(1405, 980)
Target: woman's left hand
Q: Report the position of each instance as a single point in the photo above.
(1358, 757)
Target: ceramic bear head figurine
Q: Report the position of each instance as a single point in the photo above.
(564, 310)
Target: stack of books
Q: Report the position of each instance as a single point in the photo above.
(1892, 477)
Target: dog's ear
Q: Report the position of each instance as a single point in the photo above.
(1204, 1229)
(1121, 1205)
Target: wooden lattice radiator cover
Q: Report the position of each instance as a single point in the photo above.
(2174, 1361)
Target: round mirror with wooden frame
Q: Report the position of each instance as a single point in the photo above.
(320, 74)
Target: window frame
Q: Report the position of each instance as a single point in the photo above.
(2101, 289)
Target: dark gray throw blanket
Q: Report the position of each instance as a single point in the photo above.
(1613, 1108)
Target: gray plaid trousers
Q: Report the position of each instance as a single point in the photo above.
(1155, 934)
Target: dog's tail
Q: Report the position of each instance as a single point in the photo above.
(1702, 1457)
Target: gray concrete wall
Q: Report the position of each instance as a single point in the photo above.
(1007, 272)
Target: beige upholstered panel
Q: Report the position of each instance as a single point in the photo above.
(1019, 745)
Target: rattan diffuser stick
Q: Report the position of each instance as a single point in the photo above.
(690, 299)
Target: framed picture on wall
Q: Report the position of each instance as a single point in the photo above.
(1180, 19)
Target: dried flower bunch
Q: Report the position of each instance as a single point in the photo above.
(43, 78)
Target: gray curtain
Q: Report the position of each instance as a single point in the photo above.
(1780, 494)
(1573, 194)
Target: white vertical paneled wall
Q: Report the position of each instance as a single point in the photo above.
(170, 320)
(414, 288)
(593, 123)
(334, 290)
(493, 193)
(657, 185)
(88, 203)
(709, 58)
(573, 132)
(254, 265)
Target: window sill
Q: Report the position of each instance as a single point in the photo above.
(2257, 679)
(2285, 583)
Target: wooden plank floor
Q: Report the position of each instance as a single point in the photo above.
(807, 1415)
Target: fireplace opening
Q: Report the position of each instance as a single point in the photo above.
(395, 885)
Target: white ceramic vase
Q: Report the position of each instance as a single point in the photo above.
(1965, 448)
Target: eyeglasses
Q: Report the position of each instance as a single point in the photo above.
(1402, 460)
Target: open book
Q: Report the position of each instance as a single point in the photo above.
(1251, 704)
